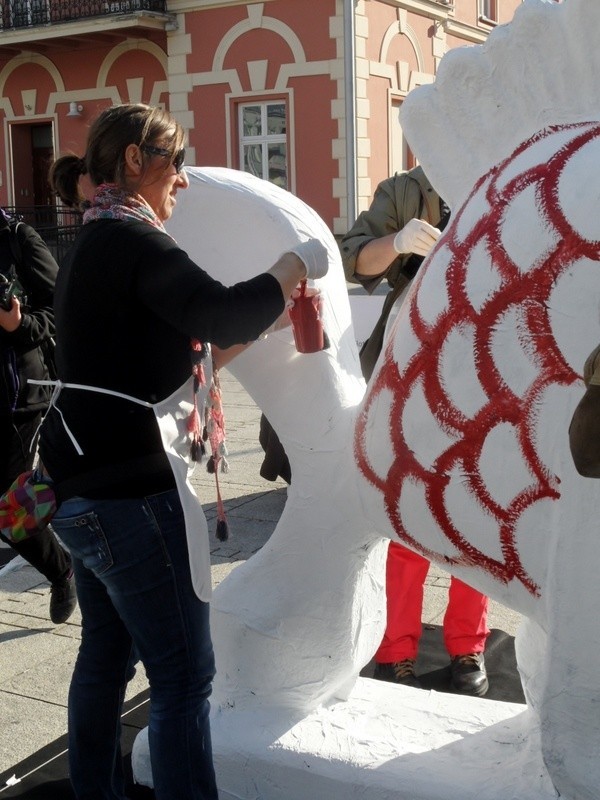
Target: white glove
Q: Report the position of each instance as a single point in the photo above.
(417, 236)
(314, 255)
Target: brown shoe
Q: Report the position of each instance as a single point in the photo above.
(402, 672)
(468, 674)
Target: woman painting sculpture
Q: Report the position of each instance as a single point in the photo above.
(134, 317)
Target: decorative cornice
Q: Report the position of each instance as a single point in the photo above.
(433, 9)
(443, 12)
(148, 20)
(464, 31)
(180, 6)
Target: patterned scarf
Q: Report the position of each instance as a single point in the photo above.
(112, 202)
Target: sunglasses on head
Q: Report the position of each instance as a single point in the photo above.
(178, 159)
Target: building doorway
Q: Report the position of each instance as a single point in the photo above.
(32, 150)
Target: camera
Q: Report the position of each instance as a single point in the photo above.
(9, 288)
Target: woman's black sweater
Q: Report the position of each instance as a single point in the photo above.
(128, 301)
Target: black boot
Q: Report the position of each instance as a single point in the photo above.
(63, 599)
(468, 674)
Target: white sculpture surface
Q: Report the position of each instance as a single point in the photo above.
(478, 383)
(459, 447)
(490, 347)
(318, 579)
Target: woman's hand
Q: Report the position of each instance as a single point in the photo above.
(314, 255)
(306, 260)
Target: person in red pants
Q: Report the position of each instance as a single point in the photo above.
(389, 241)
(465, 626)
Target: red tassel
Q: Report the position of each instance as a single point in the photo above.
(193, 423)
(198, 356)
(199, 376)
(213, 430)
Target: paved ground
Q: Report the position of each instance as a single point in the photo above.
(36, 657)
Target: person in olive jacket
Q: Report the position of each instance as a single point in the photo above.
(389, 241)
(26, 327)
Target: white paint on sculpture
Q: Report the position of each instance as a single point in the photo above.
(480, 362)
(319, 578)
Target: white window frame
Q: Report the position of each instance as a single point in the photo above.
(264, 139)
(489, 10)
(400, 156)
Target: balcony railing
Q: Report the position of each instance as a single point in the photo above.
(56, 225)
(17, 14)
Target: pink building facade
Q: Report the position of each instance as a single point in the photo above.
(301, 92)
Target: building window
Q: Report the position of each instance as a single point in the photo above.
(489, 9)
(263, 140)
(401, 156)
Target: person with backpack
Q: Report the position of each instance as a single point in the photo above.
(27, 277)
(390, 240)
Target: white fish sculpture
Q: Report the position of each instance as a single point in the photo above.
(459, 447)
(481, 372)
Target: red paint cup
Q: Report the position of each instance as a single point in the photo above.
(305, 314)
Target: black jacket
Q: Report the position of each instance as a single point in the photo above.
(128, 301)
(20, 354)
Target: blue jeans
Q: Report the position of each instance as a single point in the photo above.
(137, 601)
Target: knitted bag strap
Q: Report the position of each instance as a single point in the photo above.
(212, 431)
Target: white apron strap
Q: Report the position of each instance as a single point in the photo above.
(59, 386)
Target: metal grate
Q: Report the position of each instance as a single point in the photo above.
(29, 13)
(56, 225)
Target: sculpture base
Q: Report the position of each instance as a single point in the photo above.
(384, 742)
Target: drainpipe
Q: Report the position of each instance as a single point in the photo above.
(350, 108)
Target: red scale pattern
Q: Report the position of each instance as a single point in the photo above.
(529, 290)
